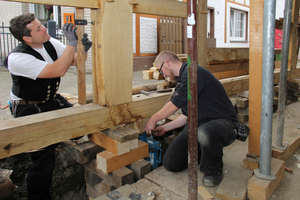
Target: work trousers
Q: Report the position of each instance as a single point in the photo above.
(212, 137)
(39, 177)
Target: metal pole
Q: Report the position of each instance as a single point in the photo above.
(267, 91)
(283, 72)
(192, 99)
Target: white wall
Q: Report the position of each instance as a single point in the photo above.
(221, 11)
(280, 4)
(9, 10)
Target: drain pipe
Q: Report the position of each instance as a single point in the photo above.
(264, 171)
(192, 99)
(283, 73)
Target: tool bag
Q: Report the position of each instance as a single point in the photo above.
(242, 131)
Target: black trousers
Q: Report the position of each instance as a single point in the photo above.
(212, 137)
(39, 177)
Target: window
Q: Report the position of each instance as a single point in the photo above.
(237, 25)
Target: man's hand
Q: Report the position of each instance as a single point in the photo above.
(150, 126)
(86, 42)
(70, 33)
(159, 131)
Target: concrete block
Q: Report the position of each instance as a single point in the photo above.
(140, 168)
(94, 191)
(122, 176)
(91, 178)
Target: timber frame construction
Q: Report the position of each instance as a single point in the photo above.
(112, 52)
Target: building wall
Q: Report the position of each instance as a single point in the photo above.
(9, 10)
(222, 16)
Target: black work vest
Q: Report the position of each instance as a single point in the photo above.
(41, 89)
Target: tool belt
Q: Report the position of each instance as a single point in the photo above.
(26, 102)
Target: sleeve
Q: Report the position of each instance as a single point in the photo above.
(30, 66)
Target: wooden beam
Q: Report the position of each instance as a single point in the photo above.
(81, 60)
(73, 3)
(226, 54)
(255, 72)
(109, 162)
(294, 37)
(157, 7)
(27, 133)
(112, 53)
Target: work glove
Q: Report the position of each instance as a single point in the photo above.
(86, 42)
(70, 34)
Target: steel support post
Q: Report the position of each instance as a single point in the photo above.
(192, 99)
(283, 72)
(264, 171)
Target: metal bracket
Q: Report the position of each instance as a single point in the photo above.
(271, 177)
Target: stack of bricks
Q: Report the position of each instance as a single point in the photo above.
(240, 102)
(111, 158)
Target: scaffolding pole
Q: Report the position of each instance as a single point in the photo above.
(264, 171)
(283, 72)
(192, 99)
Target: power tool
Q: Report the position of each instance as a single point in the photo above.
(154, 150)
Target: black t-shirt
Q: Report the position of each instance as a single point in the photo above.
(213, 102)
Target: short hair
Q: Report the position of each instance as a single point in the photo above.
(166, 55)
(18, 26)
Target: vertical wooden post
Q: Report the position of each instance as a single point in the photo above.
(201, 33)
(255, 74)
(294, 43)
(80, 60)
(112, 52)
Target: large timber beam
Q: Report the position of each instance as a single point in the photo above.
(160, 7)
(34, 131)
(112, 52)
(73, 3)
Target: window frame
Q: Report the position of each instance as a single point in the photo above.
(238, 9)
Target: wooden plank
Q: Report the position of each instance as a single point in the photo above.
(81, 60)
(204, 193)
(157, 7)
(227, 66)
(255, 82)
(202, 33)
(147, 74)
(34, 131)
(232, 73)
(112, 47)
(294, 38)
(139, 125)
(263, 189)
(83, 152)
(108, 162)
(73, 3)
(218, 54)
(122, 134)
(162, 35)
(110, 144)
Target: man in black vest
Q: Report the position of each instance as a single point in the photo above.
(36, 66)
